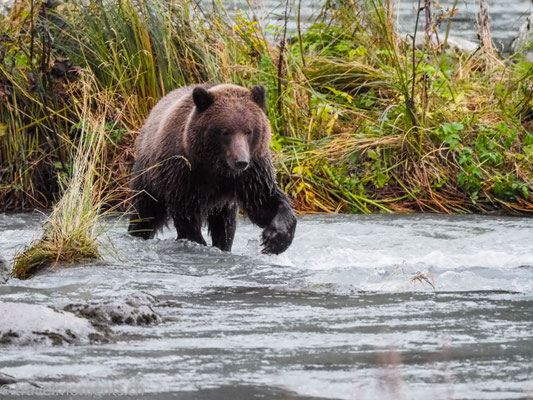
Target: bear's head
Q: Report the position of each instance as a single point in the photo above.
(228, 127)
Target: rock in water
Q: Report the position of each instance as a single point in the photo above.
(454, 42)
(132, 310)
(29, 324)
(4, 271)
(6, 379)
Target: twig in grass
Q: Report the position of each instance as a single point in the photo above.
(280, 65)
(428, 27)
(411, 100)
(484, 28)
(424, 277)
(300, 41)
(40, 90)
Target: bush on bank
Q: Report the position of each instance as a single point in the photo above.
(363, 120)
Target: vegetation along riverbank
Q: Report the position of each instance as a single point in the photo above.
(363, 120)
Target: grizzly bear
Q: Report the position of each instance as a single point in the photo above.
(202, 155)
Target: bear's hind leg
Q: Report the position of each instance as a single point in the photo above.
(148, 216)
(189, 227)
(222, 223)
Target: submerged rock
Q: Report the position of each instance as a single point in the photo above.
(6, 379)
(5, 272)
(132, 310)
(30, 324)
(27, 324)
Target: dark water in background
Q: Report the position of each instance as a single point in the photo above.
(337, 316)
(506, 16)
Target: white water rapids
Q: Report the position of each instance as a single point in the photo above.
(403, 306)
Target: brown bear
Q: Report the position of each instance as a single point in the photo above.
(201, 155)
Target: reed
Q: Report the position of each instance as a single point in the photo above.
(364, 120)
(71, 230)
(396, 127)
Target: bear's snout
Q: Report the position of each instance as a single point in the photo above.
(241, 164)
(239, 153)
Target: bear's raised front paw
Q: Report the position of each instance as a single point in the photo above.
(277, 237)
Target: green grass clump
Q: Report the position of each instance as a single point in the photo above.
(54, 249)
(70, 232)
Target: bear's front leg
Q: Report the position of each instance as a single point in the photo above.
(189, 227)
(274, 213)
(279, 233)
(222, 223)
(267, 206)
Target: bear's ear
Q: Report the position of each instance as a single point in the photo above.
(259, 95)
(202, 98)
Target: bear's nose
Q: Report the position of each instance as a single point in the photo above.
(241, 164)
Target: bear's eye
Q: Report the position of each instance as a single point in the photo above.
(225, 132)
(248, 132)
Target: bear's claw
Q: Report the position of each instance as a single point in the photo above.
(277, 237)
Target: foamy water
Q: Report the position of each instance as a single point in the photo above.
(359, 307)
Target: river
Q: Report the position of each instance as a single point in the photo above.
(340, 315)
(506, 16)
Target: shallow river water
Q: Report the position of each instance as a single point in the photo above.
(337, 316)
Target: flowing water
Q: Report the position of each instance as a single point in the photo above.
(360, 307)
(506, 16)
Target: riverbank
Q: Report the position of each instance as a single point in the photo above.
(361, 121)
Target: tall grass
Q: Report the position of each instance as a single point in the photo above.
(71, 230)
(363, 120)
(401, 128)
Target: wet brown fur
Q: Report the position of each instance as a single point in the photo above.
(181, 171)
